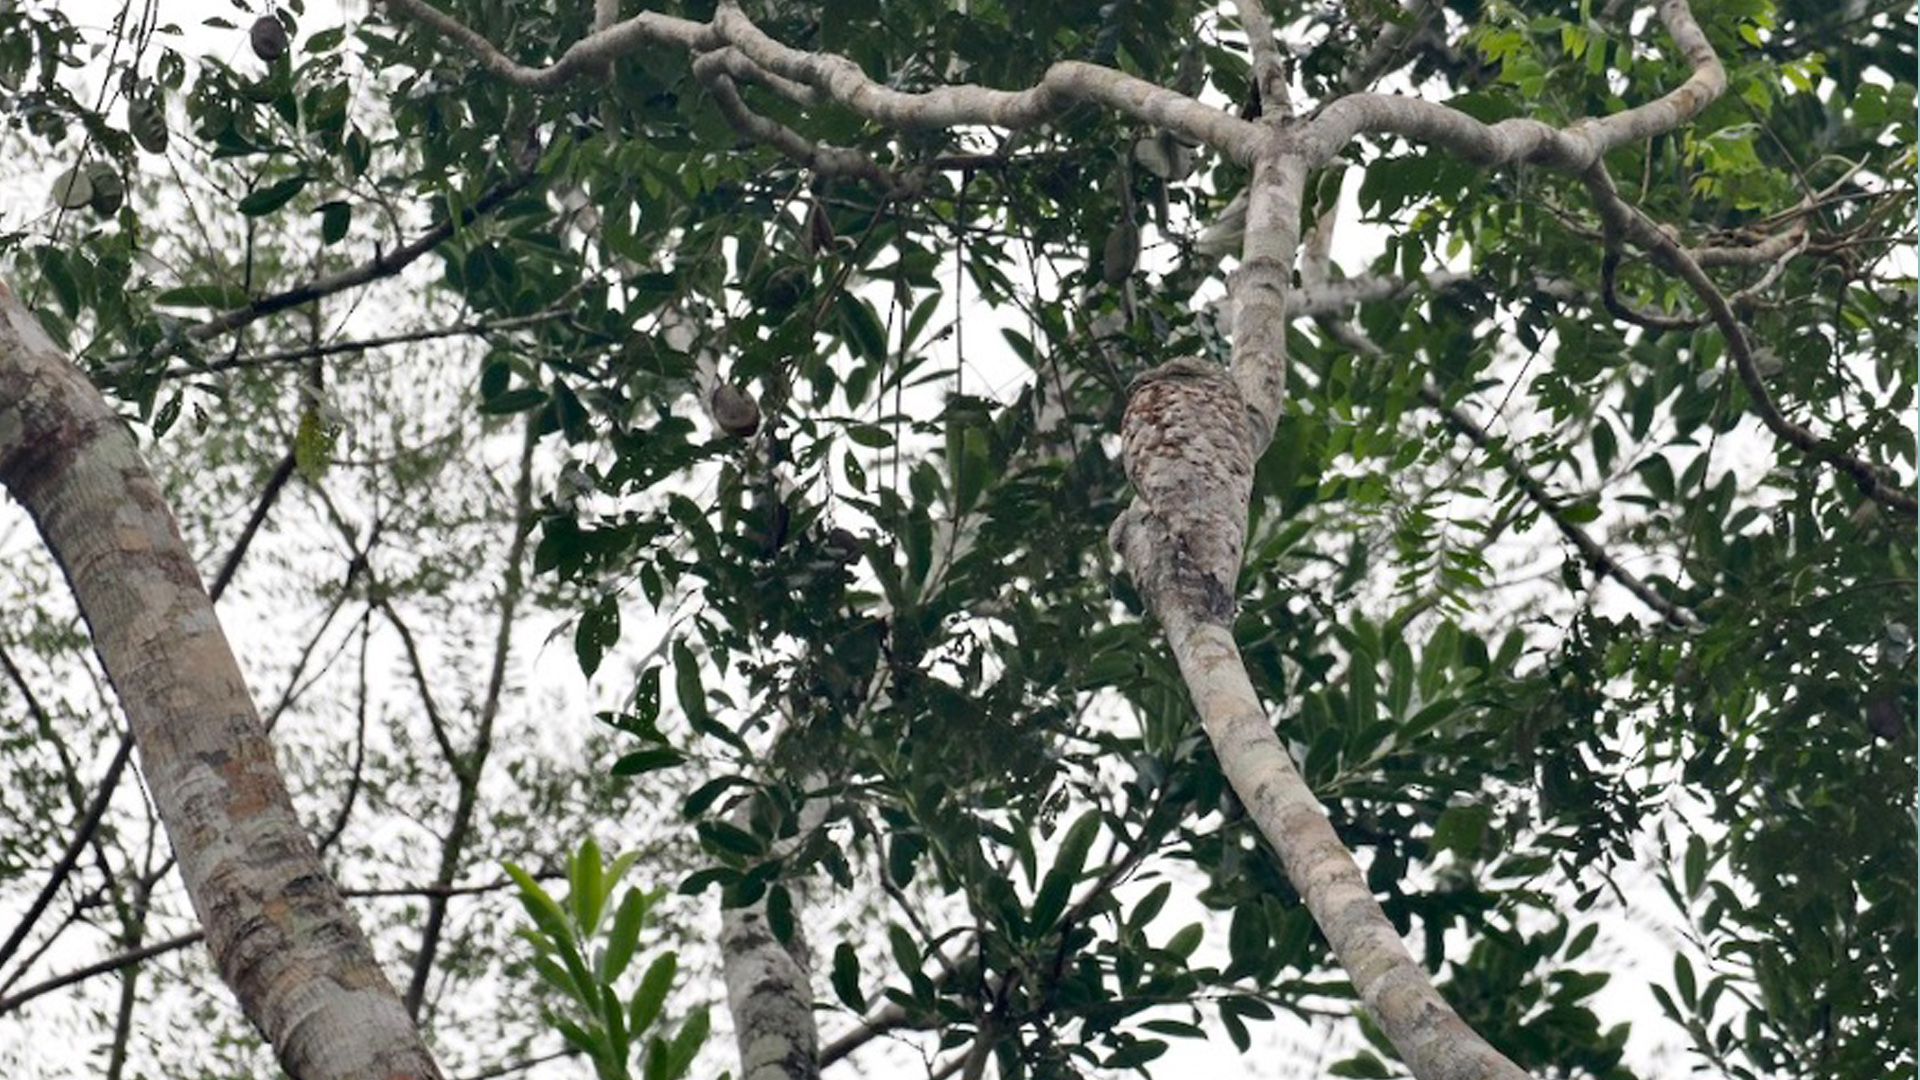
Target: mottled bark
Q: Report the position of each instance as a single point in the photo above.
(279, 932)
(770, 995)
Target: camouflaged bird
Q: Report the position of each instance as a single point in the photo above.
(1189, 454)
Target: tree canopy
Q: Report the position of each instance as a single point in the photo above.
(658, 468)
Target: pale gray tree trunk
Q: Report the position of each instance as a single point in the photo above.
(280, 934)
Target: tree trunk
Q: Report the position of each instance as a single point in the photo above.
(280, 934)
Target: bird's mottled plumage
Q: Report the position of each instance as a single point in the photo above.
(1189, 453)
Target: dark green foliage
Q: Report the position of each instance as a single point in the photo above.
(896, 599)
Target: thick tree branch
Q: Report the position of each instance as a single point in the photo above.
(1429, 1036)
(835, 78)
(1574, 148)
(1064, 84)
(279, 932)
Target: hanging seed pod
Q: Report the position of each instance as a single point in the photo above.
(735, 411)
(843, 545)
(72, 189)
(819, 229)
(109, 193)
(147, 122)
(1121, 253)
(269, 38)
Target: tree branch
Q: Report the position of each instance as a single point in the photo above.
(1620, 215)
(1596, 556)
(279, 933)
(379, 267)
(831, 77)
(1574, 148)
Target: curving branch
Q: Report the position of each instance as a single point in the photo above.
(383, 265)
(587, 57)
(1622, 217)
(1574, 148)
(714, 71)
(1065, 84)
(811, 78)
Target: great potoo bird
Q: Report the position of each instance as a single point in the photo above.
(1189, 454)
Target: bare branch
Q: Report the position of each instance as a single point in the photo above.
(380, 266)
(827, 160)
(1269, 71)
(277, 929)
(83, 833)
(467, 769)
(1066, 83)
(1874, 482)
(100, 967)
(585, 57)
(336, 348)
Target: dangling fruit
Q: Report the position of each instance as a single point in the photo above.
(72, 189)
(108, 190)
(147, 121)
(269, 38)
(735, 410)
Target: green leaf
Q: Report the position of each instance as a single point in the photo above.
(597, 631)
(623, 936)
(1149, 906)
(514, 401)
(687, 1043)
(651, 993)
(1247, 938)
(585, 897)
(1364, 1065)
(335, 217)
(541, 907)
(869, 435)
(593, 1044)
(686, 683)
(556, 977)
(846, 978)
(1683, 979)
(906, 951)
(1186, 940)
(657, 1059)
(1055, 889)
(724, 838)
(646, 761)
(274, 196)
(313, 443)
(1695, 866)
(780, 914)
